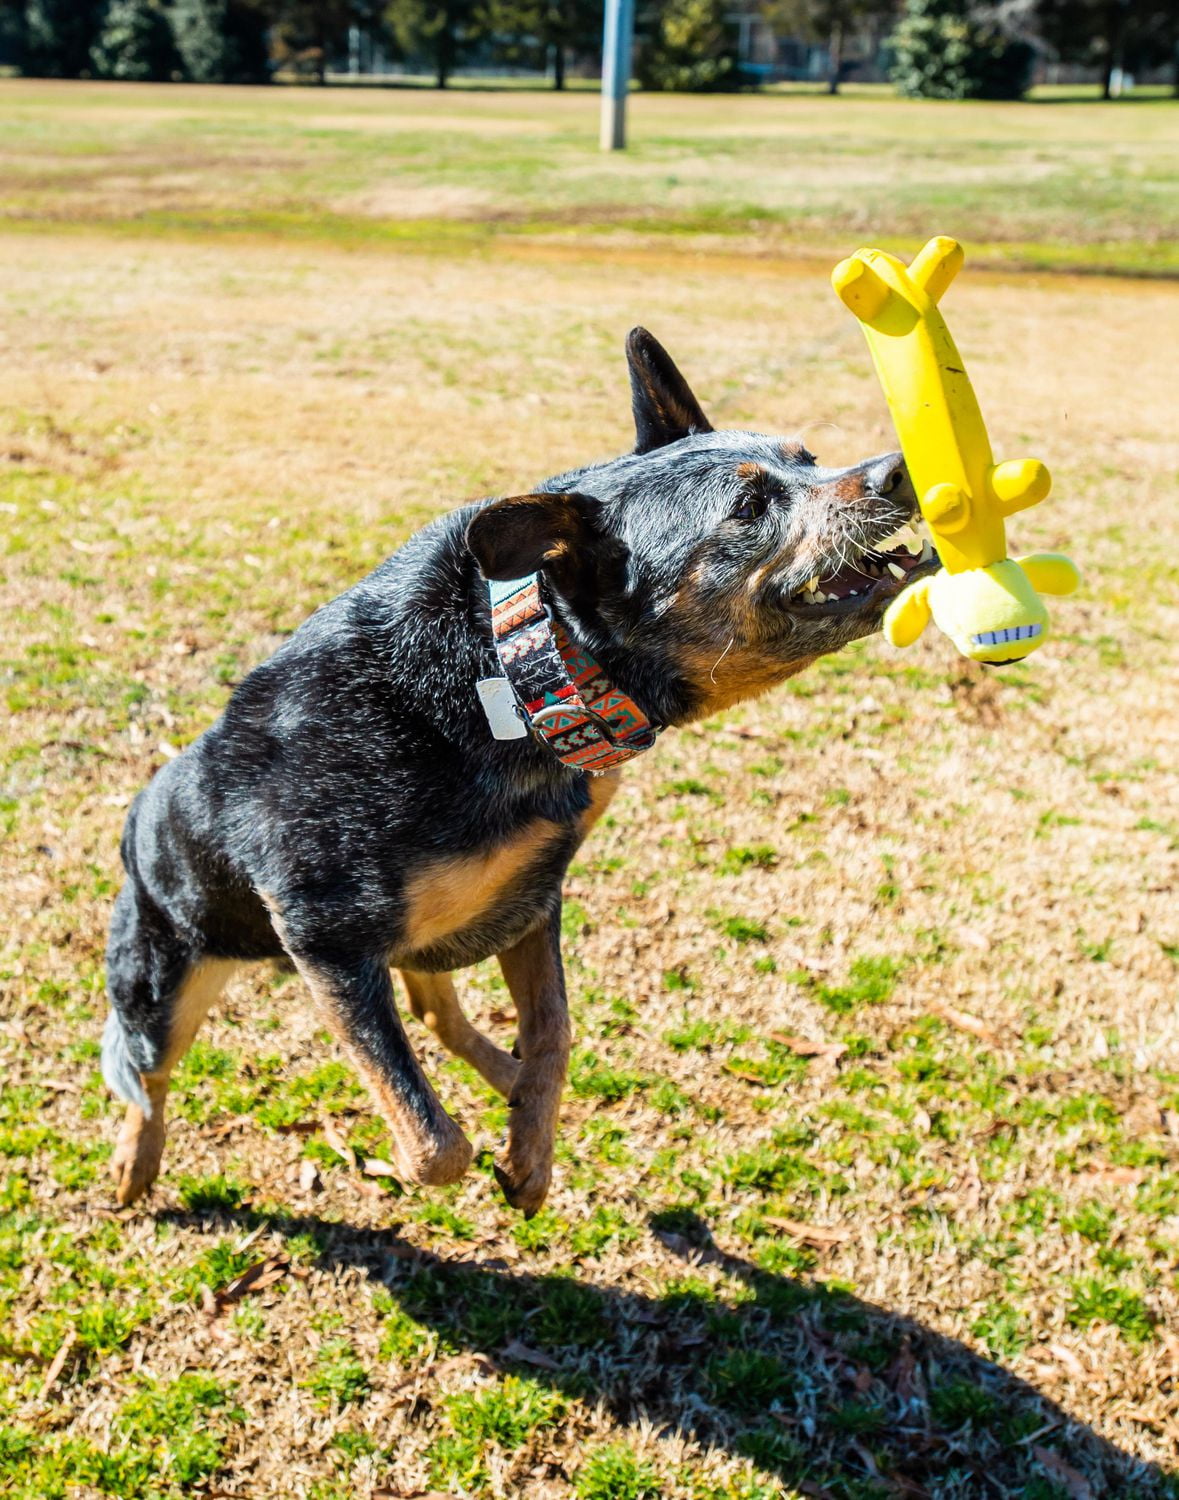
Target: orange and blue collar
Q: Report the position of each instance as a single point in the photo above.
(562, 695)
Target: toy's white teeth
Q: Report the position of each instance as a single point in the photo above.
(1002, 637)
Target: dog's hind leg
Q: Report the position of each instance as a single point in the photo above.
(535, 978)
(160, 992)
(357, 998)
(434, 1002)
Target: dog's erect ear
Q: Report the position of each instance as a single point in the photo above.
(527, 533)
(664, 406)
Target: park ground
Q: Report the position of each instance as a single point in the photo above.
(869, 1172)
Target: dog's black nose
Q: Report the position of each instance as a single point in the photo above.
(885, 475)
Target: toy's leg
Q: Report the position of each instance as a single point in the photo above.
(906, 617)
(1049, 572)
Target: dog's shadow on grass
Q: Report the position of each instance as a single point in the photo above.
(817, 1387)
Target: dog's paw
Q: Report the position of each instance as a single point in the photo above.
(524, 1188)
(434, 1163)
(138, 1152)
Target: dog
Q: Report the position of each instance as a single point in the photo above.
(404, 782)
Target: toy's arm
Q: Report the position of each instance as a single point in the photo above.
(1049, 572)
(1019, 483)
(909, 614)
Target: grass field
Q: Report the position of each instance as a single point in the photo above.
(869, 1175)
(1040, 184)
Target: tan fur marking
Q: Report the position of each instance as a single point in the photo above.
(525, 1165)
(450, 894)
(430, 1156)
(601, 791)
(433, 1000)
(738, 675)
(139, 1149)
(747, 469)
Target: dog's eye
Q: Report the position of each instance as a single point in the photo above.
(750, 508)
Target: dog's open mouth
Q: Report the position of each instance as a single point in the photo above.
(882, 570)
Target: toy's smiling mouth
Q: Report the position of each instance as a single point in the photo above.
(871, 577)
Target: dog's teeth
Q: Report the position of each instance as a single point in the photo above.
(926, 549)
(820, 597)
(812, 584)
(896, 570)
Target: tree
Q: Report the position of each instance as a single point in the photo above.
(689, 48)
(1109, 34)
(442, 31)
(59, 35)
(12, 34)
(308, 32)
(222, 41)
(942, 51)
(542, 29)
(829, 22)
(135, 43)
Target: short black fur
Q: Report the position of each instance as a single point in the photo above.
(354, 770)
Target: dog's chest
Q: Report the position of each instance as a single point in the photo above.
(459, 909)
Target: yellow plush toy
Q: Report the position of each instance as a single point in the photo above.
(983, 600)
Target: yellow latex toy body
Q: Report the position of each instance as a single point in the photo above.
(986, 602)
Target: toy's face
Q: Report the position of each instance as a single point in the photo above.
(992, 615)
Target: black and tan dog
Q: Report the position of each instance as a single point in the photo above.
(352, 810)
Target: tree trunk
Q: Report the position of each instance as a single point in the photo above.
(1115, 43)
(442, 55)
(558, 65)
(834, 58)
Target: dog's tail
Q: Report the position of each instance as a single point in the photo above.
(118, 1067)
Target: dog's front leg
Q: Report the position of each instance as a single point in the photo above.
(535, 978)
(357, 998)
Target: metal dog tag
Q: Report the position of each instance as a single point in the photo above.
(499, 704)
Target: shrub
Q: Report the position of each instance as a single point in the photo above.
(690, 49)
(221, 41)
(943, 51)
(135, 43)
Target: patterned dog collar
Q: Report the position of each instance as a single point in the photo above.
(563, 695)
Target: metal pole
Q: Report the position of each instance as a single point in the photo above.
(617, 39)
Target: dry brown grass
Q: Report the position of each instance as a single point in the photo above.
(200, 443)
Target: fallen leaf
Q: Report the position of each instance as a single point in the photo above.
(249, 1239)
(1124, 1176)
(528, 1356)
(809, 1234)
(298, 1127)
(255, 1278)
(57, 1364)
(338, 1144)
(1065, 1356)
(374, 1166)
(964, 1021)
(1074, 1481)
(309, 1178)
(802, 1046)
(744, 1075)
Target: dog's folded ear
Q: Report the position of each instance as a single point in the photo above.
(664, 406)
(529, 533)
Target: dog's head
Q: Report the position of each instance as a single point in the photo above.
(706, 566)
